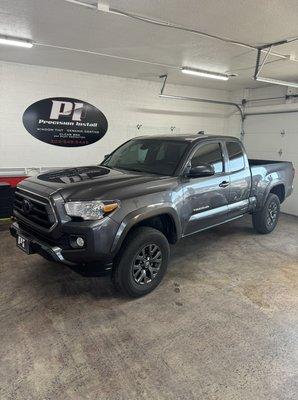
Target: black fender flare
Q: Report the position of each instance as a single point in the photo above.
(139, 215)
(272, 185)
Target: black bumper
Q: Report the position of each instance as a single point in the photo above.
(39, 246)
(97, 252)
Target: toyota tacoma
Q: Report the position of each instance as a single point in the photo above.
(150, 192)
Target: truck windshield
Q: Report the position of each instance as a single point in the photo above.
(153, 156)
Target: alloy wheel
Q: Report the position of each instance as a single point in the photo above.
(146, 264)
(272, 213)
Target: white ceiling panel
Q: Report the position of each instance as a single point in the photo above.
(58, 23)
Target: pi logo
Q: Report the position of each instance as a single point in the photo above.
(74, 110)
(64, 121)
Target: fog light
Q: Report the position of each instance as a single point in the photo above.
(80, 242)
(77, 242)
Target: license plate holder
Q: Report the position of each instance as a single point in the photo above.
(24, 244)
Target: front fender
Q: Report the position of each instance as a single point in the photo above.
(139, 215)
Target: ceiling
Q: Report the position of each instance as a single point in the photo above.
(58, 23)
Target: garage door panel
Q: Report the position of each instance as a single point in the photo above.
(290, 141)
(290, 155)
(261, 154)
(277, 123)
(263, 140)
(265, 143)
(290, 205)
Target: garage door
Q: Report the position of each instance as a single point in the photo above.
(275, 137)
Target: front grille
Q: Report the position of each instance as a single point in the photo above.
(62, 241)
(34, 209)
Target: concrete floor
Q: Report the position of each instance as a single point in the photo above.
(223, 324)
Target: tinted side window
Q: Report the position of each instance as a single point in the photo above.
(236, 156)
(209, 154)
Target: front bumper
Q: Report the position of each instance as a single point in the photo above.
(39, 246)
(99, 239)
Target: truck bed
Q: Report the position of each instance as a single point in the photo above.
(255, 162)
(270, 171)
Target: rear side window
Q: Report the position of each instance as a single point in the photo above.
(209, 154)
(236, 156)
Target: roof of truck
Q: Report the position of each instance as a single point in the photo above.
(185, 137)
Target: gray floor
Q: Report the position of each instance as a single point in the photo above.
(223, 325)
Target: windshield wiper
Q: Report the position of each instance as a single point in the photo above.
(142, 171)
(130, 169)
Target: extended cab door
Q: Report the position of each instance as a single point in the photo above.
(206, 198)
(240, 178)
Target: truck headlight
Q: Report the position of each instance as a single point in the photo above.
(90, 210)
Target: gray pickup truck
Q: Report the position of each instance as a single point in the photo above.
(150, 192)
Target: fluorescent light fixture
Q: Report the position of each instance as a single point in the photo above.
(205, 74)
(11, 41)
(277, 82)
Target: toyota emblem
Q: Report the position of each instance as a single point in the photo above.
(26, 206)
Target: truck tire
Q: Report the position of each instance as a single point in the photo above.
(265, 220)
(141, 262)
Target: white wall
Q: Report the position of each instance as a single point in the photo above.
(125, 102)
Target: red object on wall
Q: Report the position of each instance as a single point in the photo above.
(12, 180)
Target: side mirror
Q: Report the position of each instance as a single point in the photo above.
(106, 156)
(200, 171)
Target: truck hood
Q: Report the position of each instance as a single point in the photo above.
(93, 182)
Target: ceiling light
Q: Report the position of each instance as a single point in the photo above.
(277, 82)
(10, 41)
(205, 74)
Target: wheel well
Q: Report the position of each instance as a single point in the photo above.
(279, 190)
(164, 223)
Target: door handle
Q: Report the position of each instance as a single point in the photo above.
(224, 184)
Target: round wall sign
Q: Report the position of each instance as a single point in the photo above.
(62, 121)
